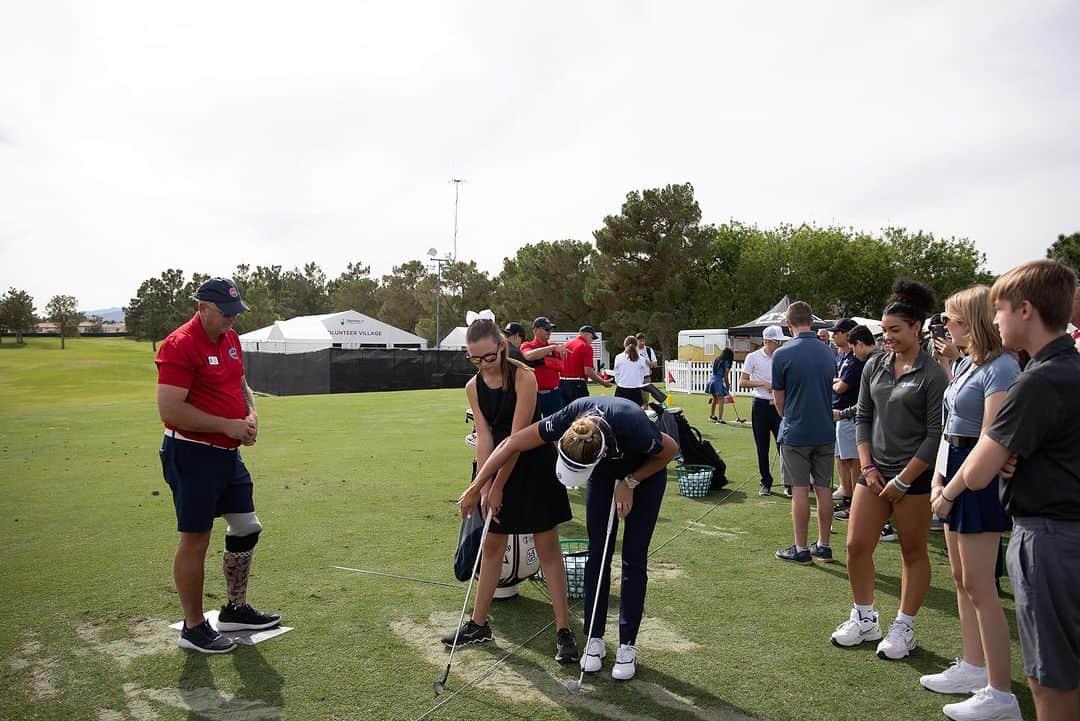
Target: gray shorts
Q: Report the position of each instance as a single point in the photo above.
(800, 464)
(1043, 568)
(846, 449)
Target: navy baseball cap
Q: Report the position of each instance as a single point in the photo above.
(222, 292)
(514, 328)
(843, 325)
(587, 329)
(543, 322)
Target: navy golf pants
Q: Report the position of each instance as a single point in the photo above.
(765, 420)
(638, 529)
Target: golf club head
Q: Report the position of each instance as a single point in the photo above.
(438, 687)
(573, 686)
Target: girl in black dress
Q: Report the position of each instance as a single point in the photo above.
(525, 495)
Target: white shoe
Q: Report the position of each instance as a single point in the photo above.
(984, 707)
(625, 663)
(856, 630)
(898, 643)
(838, 494)
(594, 652)
(955, 679)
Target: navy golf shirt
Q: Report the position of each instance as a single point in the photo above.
(804, 368)
(635, 436)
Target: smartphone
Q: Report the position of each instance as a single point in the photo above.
(937, 331)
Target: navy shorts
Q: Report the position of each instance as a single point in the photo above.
(206, 482)
(975, 511)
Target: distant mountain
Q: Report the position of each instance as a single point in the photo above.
(113, 314)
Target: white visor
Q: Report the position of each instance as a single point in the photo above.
(573, 474)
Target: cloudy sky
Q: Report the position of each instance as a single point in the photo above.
(138, 136)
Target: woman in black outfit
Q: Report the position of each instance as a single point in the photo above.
(525, 495)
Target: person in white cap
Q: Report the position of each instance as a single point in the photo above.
(612, 444)
(757, 374)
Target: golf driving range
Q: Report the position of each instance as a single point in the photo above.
(368, 482)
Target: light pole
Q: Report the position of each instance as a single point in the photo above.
(457, 186)
(439, 262)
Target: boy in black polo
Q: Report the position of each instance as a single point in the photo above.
(1039, 427)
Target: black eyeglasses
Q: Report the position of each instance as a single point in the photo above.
(486, 358)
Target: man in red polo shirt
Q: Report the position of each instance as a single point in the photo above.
(208, 411)
(549, 399)
(578, 366)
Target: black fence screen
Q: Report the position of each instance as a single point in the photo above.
(335, 370)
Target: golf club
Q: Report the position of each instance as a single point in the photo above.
(440, 686)
(571, 685)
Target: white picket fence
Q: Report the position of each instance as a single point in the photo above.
(691, 377)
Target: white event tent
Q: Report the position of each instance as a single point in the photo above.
(455, 339)
(347, 329)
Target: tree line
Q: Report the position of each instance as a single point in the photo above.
(653, 266)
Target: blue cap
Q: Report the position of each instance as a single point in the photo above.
(222, 292)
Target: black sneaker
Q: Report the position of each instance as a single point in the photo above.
(245, 618)
(821, 553)
(566, 650)
(843, 514)
(791, 553)
(204, 639)
(469, 633)
(787, 491)
(888, 533)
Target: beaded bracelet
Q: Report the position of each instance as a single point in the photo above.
(869, 467)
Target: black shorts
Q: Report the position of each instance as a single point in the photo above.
(630, 394)
(919, 487)
(206, 482)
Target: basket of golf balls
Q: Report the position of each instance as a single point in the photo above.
(694, 481)
(575, 552)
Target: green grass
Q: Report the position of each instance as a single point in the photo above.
(367, 481)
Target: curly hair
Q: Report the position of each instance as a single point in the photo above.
(910, 300)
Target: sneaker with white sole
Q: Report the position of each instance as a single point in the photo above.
(204, 639)
(625, 663)
(898, 643)
(245, 618)
(957, 678)
(594, 654)
(888, 532)
(856, 630)
(838, 494)
(985, 705)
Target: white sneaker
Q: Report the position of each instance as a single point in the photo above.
(594, 652)
(984, 707)
(856, 630)
(955, 679)
(898, 643)
(838, 494)
(625, 663)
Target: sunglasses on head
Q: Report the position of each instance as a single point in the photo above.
(486, 358)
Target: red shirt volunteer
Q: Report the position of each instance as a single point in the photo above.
(211, 371)
(579, 353)
(547, 375)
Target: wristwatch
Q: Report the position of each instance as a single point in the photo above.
(631, 482)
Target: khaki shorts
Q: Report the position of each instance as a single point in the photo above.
(801, 464)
